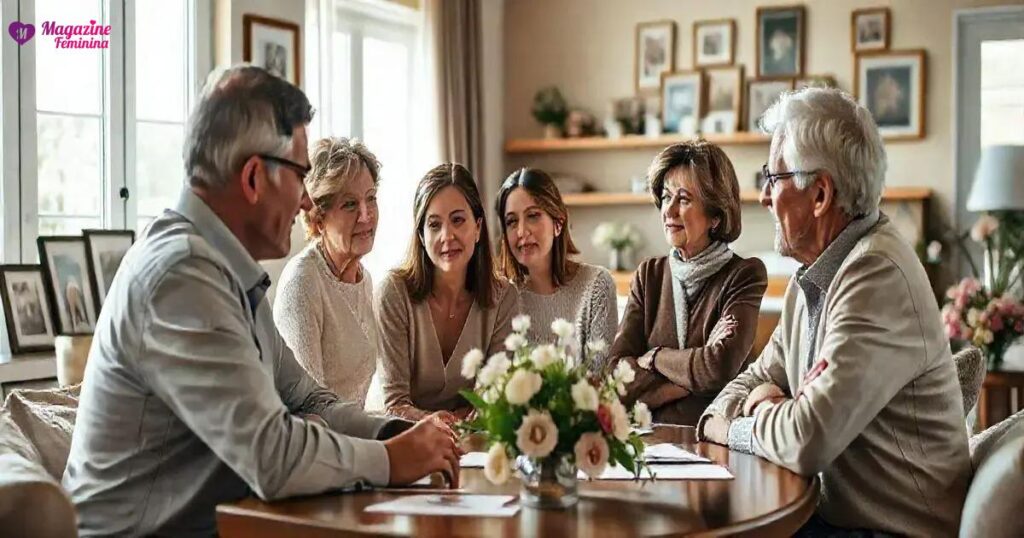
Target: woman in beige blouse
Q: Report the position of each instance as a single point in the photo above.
(324, 297)
(443, 301)
(535, 254)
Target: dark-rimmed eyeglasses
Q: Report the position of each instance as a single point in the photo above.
(770, 179)
(301, 169)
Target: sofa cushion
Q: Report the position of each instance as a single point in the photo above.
(983, 443)
(970, 370)
(32, 502)
(992, 508)
(46, 418)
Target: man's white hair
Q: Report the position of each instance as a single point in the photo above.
(826, 129)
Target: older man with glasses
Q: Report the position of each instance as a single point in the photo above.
(191, 397)
(857, 384)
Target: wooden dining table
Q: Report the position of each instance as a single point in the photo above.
(762, 500)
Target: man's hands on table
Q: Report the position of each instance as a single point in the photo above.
(428, 447)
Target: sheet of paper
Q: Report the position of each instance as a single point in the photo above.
(449, 505)
(669, 453)
(696, 471)
(473, 460)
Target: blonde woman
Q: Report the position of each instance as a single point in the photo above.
(325, 296)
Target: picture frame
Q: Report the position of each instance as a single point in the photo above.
(714, 43)
(779, 47)
(655, 54)
(26, 308)
(68, 284)
(105, 249)
(682, 101)
(724, 96)
(869, 29)
(891, 85)
(274, 45)
(761, 94)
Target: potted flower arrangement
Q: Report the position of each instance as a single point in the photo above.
(551, 110)
(538, 406)
(619, 238)
(987, 314)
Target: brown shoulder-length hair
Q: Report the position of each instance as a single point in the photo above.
(713, 179)
(417, 271)
(544, 191)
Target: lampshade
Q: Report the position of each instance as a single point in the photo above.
(999, 180)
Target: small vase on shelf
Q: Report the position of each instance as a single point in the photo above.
(552, 131)
(618, 261)
(549, 482)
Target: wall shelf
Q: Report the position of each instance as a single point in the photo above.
(544, 145)
(585, 199)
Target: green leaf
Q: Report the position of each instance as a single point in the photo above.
(474, 399)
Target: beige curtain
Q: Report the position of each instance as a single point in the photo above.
(453, 40)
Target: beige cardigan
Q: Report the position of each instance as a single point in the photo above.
(415, 378)
(883, 423)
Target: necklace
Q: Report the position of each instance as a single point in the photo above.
(451, 313)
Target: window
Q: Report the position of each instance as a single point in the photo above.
(95, 122)
(370, 62)
(1002, 92)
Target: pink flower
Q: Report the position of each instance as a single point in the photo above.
(591, 454)
(967, 333)
(604, 418)
(960, 302)
(996, 323)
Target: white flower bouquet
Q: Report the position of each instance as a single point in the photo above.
(616, 236)
(540, 402)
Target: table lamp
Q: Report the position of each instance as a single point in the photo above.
(998, 180)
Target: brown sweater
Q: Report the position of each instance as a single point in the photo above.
(682, 382)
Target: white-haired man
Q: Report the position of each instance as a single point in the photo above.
(191, 397)
(857, 384)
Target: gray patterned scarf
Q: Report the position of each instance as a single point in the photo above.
(688, 277)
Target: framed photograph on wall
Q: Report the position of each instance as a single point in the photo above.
(714, 43)
(780, 42)
(655, 54)
(815, 81)
(105, 249)
(272, 44)
(68, 284)
(890, 84)
(869, 29)
(26, 310)
(682, 94)
(725, 99)
(761, 94)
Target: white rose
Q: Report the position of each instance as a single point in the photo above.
(934, 251)
(521, 324)
(584, 395)
(496, 367)
(471, 363)
(497, 468)
(620, 388)
(620, 420)
(563, 329)
(514, 341)
(523, 385)
(591, 454)
(972, 317)
(491, 395)
(642, 415)
(624, 373)
(537, 436)
(544, 355)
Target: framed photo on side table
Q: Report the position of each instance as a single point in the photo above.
(682, 101)
(869, 29)
(105, 249)
(272, 44)
(714, 43)
(26, 310)
(655, 54)
(780, 42)
(891, 84)
(68, 284)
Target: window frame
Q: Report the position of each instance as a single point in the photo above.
(19, 189)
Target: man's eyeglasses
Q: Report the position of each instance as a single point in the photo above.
(301, 169)
(770, 179)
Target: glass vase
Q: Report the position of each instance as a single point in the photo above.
(618, 261)
(548, 483)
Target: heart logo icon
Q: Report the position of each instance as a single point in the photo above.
(21, 32)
